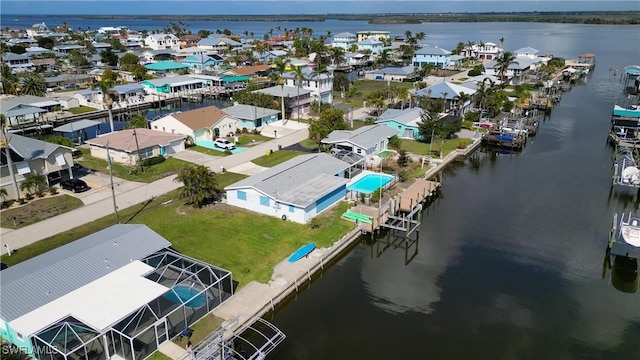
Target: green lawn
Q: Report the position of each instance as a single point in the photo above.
(169, 167)
(366, 87)
(249, 139)
(38, 210)
(81, 110)
(309, 144)
(204, 150)
(280, 156)
(246, 243)
(421, 148)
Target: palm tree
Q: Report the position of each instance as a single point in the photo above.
(7, 152)
(461, 99)
(470, 48)
(33, 84)
(200, 184)
(337, 55)
(105, 86)
(319, 70)
(281, 66)
(501, 43)
(502, 62)
(403, 95)
(481, 45)
(299, 75)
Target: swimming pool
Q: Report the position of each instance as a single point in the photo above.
(370, 183)
(182, 293)
(209, 145)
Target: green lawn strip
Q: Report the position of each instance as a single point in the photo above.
(280, 156)
(421, 148)
(415, 147)
(157, 355)
(201, 329)
(81, 110)
(204, 150)
(248, 139)
(246, 243)
(38, 210)
(152, 173)
(309, 144)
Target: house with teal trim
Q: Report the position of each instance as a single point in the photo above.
(201, 124)
(432, 55)
(203, 62)
(404, 121)
(251, 117)
(372, 45)
(344, 40)
(173, 84)
(296, 190)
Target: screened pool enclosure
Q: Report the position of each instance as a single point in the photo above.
(193, 289)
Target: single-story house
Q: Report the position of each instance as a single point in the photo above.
(251, 117)
(449, 92)
(390, 73)
(205, 123)
(30, 155)
(116, 293)
(68, 102)
(404, 121)
(24, 111)
(166, 66)
(128, 92)
(367, 140)
(150, 55)
(295, 190)
(173, 84)
(128, 146)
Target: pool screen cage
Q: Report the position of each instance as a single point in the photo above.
(196, 288)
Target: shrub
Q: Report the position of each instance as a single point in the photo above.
(40, 193)
(471, 116)
(394, 142)
(60, 140)
(403, 175)
(363, 197)
(53, 191)
(153, 160)
(377, 195)
(22, 201)
(29, 196)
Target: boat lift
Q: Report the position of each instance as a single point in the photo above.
(625, 168)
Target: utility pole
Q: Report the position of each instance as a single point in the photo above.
(113, 190)
(135, 136)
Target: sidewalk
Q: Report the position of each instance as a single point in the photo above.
(21, 237)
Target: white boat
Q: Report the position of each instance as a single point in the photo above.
(630, 230)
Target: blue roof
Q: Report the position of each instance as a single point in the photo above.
(444, 89)
(127, 88)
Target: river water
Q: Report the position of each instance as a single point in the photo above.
(509, 261)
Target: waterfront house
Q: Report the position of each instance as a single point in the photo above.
(25, 111)
(129, 93)
(254, 72)
(528, 52)
(448, 92)
(67, 102)
(129, 146)
(391, 73)
(167, 67)
(89, 97)
(162, 41)
(251, 117)
(28, 156)
(320, 85)
(484, 51)
(370, 45)
(379, 35)
(404, 121)
(364, 141)
(220, 45)
(358, 59)
(173, 85)
(431, 55)
(150, 55)
(296, 190)
(293, 97)
(37, 29)
(68, 48)
(146, 293)
(200, 124)
(78, 80)
(344, 40)
(188, 40)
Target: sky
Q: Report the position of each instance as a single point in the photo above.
(274, 7)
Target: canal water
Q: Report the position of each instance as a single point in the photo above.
(509, 260)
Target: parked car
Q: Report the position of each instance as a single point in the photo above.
(75, 185)
(224, 144)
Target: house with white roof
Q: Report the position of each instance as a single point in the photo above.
(296, 190)
(117, 293)
(251, 117)
(206, 123)
(404, 121)
(162, 41)
(344, 40)
(370, 45)
(366, 140)
(129, 146)
(391, 73)
(488, 51)
(431, 55)
(528, 52)
(30, 155)
(173, 84)
(294, 98)
(131, 93)
(320, 85)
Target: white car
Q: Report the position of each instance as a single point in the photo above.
(224, 144)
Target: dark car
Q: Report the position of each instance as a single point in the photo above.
(75, 185)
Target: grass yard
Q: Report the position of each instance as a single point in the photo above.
(81, 110)
(201, 329)
(157, 355)
(169, 167)
(246, 243)
(366, 87)
(309, 144)
(38, 210)
(421, 148)
(278, 157)
(248, 139)
(204, 150)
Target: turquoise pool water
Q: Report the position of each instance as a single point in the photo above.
(370, 183)
(209, 145)
(187, 294)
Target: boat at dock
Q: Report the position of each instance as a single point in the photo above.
(625, 236)
(625, 126)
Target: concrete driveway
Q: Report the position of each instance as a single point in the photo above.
(248, 168)
(100, 185)
(194, 157)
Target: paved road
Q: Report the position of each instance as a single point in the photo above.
(128, 196)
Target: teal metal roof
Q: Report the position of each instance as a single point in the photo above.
(166, 65)
(235, 79)
(620, 111)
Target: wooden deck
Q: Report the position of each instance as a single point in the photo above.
(416, 194)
